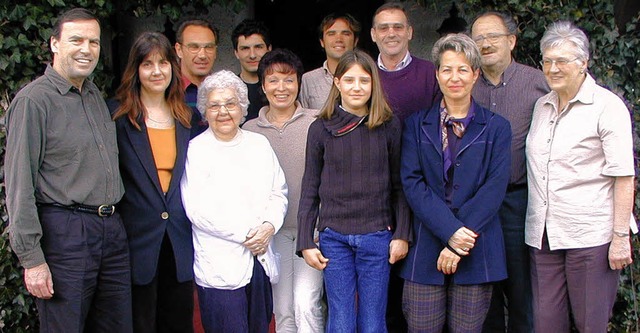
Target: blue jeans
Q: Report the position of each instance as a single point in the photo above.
(516, 290)
(358, 264)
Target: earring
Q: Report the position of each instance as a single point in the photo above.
(582, 71)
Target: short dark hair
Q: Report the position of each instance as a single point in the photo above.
(281, 61)
(196, 22)
(250, 27)
(330, 19)
(74, 14)
(392, 6)
(507, 20)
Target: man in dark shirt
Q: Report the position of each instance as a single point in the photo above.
(251, 41)
(196, 46)
(62, 184)
(511, 90)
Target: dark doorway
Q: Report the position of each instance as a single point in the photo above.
(294, 24)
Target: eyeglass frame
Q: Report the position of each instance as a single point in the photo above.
(492, 38)
(386, 27)
(560, 63)
(229, 106)
(191, 47)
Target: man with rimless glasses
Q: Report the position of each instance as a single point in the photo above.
(196, 46)
(509, 89)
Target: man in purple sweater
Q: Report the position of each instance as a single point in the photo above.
(409, 82)
(410, 85)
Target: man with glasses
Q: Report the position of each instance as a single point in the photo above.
(409, 82)
(196, 46)
(511, 90)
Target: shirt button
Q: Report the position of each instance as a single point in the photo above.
(263, 260)
(455, 187)
(457, 164)
(544, 178)
(164, 215)
(548, 140)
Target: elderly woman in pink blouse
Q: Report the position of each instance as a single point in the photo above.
(580, 172)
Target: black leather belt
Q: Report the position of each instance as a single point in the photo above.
(102, 210)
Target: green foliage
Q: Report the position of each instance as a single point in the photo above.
(615, 60)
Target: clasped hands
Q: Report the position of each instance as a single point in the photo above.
(258, 238)
(462, 241)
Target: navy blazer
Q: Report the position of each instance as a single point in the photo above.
(482, 169)
(147, 213)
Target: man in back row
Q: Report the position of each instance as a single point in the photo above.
(62, 182)
(251, 41)
(196, 46)
(511, 90)
(338, 33)
(410, 85)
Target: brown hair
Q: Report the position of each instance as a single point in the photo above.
(128, 94)
(379, 110)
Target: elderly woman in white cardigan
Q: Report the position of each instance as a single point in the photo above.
(235, 195)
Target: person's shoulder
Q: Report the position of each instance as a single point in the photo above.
(313, 72)
(528, 72)
(422, 62)
(251, 125)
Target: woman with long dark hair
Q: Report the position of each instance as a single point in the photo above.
(152, 124)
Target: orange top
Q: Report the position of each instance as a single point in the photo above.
(163, 147)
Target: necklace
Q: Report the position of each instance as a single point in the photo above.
(160, 122)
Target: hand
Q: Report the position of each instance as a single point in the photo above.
(398, 249)
(619, 252)
(448, 261)
(259, 237)
(38, 281)
(315, 259)
(463, 240)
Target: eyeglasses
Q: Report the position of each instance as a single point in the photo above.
(562, 62)
(195, 48)
(229, 106)
(491, 38)
(385, 27)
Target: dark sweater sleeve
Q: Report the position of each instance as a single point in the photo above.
(310, 198)
(402, 213)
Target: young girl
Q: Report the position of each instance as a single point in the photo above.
(351, 187)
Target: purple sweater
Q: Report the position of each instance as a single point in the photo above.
(355, 177)
(412, 88)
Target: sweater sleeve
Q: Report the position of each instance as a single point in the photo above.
(402, 213)
(308, 210)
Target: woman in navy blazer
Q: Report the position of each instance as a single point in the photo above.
(152, 124)
(454, 186)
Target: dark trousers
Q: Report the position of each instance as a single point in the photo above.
(244, 310)
(514, 293)
(88, 257)
(575, 281)
(396, 322)
(164, 305)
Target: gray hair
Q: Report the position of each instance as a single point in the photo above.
(223, 79)
(563, 32)
(459, 43)
(507, 21)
